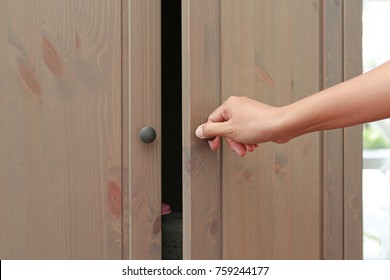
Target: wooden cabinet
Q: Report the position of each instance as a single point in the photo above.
(79, 79)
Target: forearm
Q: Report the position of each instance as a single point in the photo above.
(363, 99)
(244, 122)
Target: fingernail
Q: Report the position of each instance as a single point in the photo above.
(199, 132)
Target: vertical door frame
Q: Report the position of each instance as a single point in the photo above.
(332, 140)
(141, 106)
(342, 148)
(201, 95)
(353, 140)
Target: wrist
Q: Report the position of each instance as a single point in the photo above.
(284, 125)
(293, 122)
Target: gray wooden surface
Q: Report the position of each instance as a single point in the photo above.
(141, 106)
(201, 94)
(79, 79)
(301, 200)
(332, 140)
(353, 208)
(60, 125)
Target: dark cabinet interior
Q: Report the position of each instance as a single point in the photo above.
(171, 139)
(171, 103)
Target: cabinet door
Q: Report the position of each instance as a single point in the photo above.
(201, 94)
(78, 81)
(60, 125)
(290, 201)
(141, 107)
(272, 198)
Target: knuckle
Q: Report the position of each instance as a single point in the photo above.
(205, 129)
(232, 98)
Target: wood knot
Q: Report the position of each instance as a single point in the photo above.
(281, 163)
(157, 226)
(29, 79)
(354, 203)
(77, 41)
(214, 228)
(262, 74)
(245, 176)
(51, 58)
(194, 164)
(114, 196)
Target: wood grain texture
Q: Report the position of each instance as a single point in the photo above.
(272, 198)
(60, 125)
(125, 126)
(353, 218)
(143, 94)
(332, 153)
(201, 94)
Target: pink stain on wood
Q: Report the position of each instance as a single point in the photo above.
(354, 203)
(194, 164)
(77, 41)
(29, 79)
(51, 58)
(279, 168)
(264, 77)
(114, 196)
(245, 176)
(281, 164)
(214, 228)
(157, 226)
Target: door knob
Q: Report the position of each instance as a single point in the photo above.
(147, 134)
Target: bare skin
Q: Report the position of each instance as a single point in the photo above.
(245, 123)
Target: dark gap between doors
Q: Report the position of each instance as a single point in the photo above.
(171, 100)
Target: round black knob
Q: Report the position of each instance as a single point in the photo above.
(147, 134)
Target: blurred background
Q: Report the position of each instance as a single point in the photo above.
(376, 139)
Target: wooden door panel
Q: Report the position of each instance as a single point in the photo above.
(332, 154)
(353, 140)
(60, 144)
(141, 106)
(271, 202)
(201, 94)
(301, 200)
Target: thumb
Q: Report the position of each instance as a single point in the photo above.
(211, 129)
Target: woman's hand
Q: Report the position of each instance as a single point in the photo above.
(244, 123)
